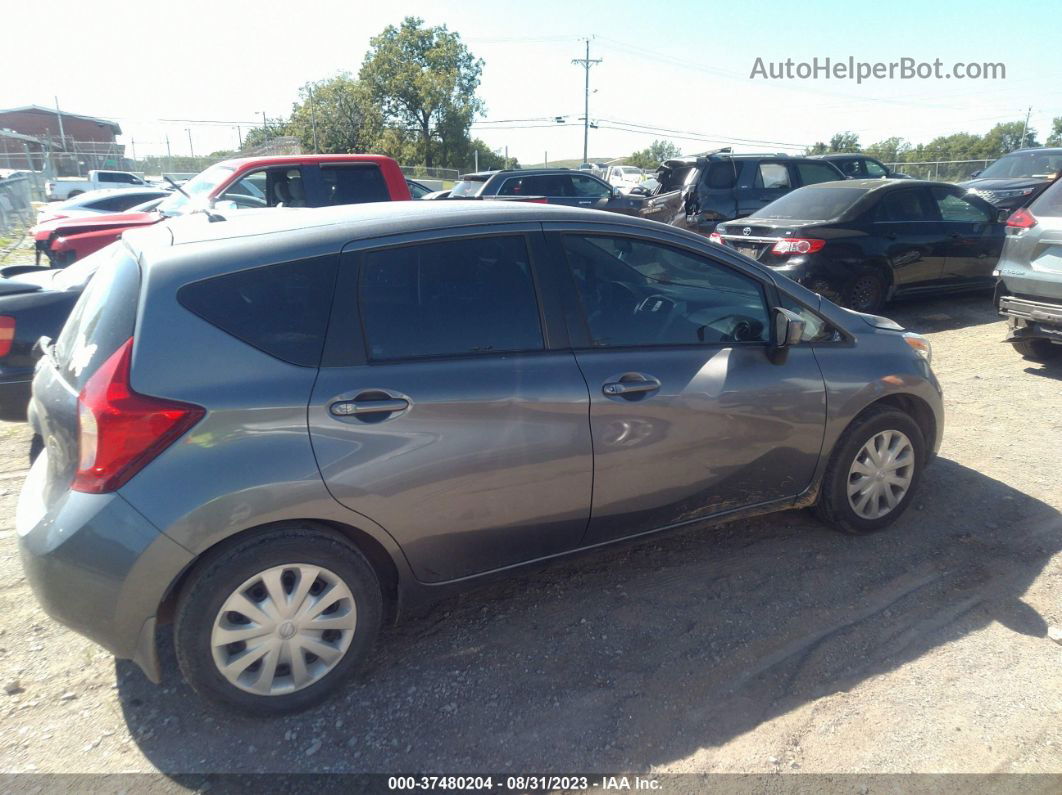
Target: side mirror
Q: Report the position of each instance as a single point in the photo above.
(638, 190)
(788, 331)
(224, 204)
(976, 173)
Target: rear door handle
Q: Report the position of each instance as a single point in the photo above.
(633, 386)
(347, 408)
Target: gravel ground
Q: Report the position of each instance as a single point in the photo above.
(761, 646)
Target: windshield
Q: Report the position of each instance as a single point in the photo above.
(198, 187)
(468, 187)
(811, 204)
(1024, 164)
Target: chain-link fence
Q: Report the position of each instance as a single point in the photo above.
(940, 170)
(16, 210)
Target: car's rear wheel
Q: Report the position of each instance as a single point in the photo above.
(875, 468)
(864, 292)
(1038, 350)
(276, 623)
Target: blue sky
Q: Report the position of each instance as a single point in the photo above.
(681, 66)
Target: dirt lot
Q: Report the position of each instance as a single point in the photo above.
(763, 646)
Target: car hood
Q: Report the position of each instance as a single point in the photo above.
(1010, 183)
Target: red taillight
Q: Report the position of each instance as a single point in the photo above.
(715, 237)
(1021, 219)
(119, 431)
(797, 245)
(7, 334)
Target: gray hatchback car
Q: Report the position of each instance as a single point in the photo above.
(279, 432)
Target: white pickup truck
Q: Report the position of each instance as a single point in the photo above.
(68, 187)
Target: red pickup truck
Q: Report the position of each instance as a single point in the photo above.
(252, 182)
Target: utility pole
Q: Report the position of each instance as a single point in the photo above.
(265, 127)
(239, 135)
(475, 160)
(132, 143)
(313, 120)
(545, 158)
(59, 116)
(586, 63)
(1025, 127)
(191, 151)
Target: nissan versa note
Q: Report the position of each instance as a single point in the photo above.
(279, 432)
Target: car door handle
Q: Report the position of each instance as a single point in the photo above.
(633, 386)
(347, 408)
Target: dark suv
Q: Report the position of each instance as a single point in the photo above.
(551, 185)
(696, 193)
(1015, 179)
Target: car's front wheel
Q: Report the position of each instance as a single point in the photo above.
(875, 468)
(276, 623)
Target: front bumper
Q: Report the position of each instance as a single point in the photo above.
(97, 565)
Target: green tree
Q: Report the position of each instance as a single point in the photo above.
(891, 150)
(424, 79)
(655, 154)
(1055, 138)
(341, 109)
(844, 142)
(271, 128)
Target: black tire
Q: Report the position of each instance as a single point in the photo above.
(1038, 350)
(36, 447)
(833, 506)
(865, 291)
(219, 575)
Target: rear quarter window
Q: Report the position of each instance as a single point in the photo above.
(281, 310)
(102, 319)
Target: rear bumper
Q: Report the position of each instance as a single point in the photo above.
(97, 565)
(1031, 319)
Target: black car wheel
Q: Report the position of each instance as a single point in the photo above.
(1038, 350)
(865, 292)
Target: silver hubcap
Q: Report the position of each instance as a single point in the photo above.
(881, 474)
(283, 629)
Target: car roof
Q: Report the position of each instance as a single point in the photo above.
(330, 228)
(871, 184)
(840, 156)
(270, 160)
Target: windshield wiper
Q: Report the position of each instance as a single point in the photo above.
(176, 186)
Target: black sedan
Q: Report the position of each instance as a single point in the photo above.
(34, 303)
(863, 242)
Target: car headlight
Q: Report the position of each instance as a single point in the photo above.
(1007, 194)
(920, 345)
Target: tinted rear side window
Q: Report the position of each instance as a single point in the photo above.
(354, 184)
(452, 298)
(722, 175)
(102, 319)
(280, 309)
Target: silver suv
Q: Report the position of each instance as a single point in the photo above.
(1029, 290)
(279, 432)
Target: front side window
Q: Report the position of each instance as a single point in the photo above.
(195, 190)
(539, 185)
(772, 176)
(588, 187)
(875, 169)
(851, 168)
(639, 293)
(721, 175)
(251, 190)
(957, 209)
(451, 298)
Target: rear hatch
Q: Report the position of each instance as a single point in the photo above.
(101, 322)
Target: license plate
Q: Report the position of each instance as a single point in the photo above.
(749, 251)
